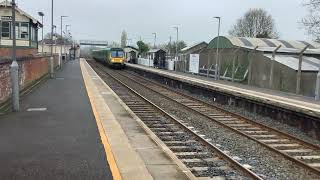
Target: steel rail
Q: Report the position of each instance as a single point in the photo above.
(282, 134)
(230, 160)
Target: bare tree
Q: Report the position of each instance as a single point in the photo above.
(124, 38)
(312, 21)
(255, 23)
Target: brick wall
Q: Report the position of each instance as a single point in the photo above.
(30, 70)
(21, 52)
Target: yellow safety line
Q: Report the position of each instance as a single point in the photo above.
(110, 158)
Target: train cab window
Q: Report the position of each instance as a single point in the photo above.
(117, 54)
(120, 54)
(114, 54)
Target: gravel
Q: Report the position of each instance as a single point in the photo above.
(264, 162)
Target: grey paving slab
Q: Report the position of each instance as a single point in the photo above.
(61, 142)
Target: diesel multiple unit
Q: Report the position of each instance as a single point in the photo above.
(113, 57)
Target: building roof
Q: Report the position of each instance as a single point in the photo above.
(131, 48)
(155, 50)
(266, 45)
(8, 4)
(194, 45)
(308, 63)
(58, 42)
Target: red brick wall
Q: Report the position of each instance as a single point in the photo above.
(30, 70)
(21, 52)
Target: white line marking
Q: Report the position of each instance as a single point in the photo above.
(36, 109)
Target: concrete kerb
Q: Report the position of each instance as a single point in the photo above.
(160, 144)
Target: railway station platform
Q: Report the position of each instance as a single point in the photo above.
(296, 110)
(291, 101)
(75, 127)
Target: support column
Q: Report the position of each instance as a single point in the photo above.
(298, 87)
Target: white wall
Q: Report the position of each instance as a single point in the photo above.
(145, 62)
(56, 49)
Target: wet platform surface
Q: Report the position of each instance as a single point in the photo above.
(55, 135)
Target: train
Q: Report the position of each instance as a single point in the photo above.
(113, 57)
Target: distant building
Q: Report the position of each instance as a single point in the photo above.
(26, 31)
(238, 53)
(57, 45)
(131, 54)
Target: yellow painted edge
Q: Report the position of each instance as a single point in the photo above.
(110, 158)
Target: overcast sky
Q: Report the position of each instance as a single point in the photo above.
(105, 19)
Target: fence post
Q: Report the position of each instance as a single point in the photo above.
(208, 69)
(299, 70)
(250, 66)
(272, 66)
(233, 63)
(317, 98)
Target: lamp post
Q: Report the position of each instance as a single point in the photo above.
(68, 25)
(55, 38)
(60, 59)
(217, 70)
(41, 14)
(177, 28)
(14, 66)
(155, 39)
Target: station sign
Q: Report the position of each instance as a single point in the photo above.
(6, 18)
(194, 63)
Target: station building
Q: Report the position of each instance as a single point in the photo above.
(26, 31)
(33, 66)
(253, 67)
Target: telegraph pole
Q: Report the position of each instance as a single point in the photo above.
(51, 48)
(14, 66)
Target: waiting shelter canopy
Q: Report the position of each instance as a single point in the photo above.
(265, 45)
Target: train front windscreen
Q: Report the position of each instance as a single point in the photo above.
(117, 54)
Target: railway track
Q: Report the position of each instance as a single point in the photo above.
(301, 152)
(202, 157)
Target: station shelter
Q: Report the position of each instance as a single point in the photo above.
(250, 60)
(158, 56)
(26, 32)
(131, 54)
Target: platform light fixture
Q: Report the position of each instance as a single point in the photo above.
(177, 28)
(60, 57)
(66, 34)
(217, 70)
(155, 39)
